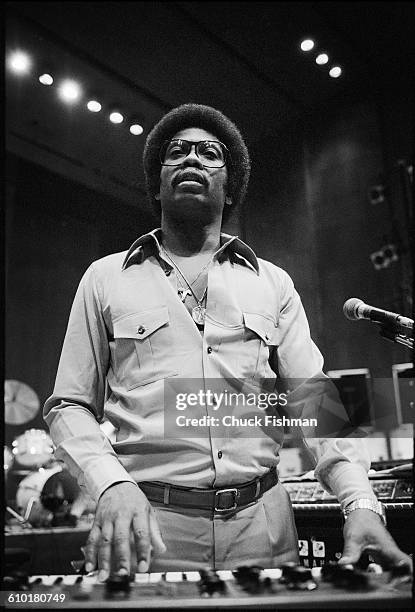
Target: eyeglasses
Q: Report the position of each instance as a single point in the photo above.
(212, 153)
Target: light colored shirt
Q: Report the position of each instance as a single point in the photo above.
(129, 332)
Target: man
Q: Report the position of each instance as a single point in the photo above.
(188, 303)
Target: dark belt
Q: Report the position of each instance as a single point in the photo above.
(216, 500)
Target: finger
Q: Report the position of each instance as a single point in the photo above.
(406, 564)
(391, 555)
(104, 551)
(155, 535)
(91, 548)
(121, 549)
(142, 541)
(352, 551)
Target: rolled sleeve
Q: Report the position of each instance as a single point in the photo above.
(75, 408)
(342, 467)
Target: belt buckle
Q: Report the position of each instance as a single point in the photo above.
(235, 493)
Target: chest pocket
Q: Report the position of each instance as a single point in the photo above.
(260, 336)
(143, 347)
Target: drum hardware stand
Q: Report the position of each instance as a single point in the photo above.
(20, 518)
(29, 507)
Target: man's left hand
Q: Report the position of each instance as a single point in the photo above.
(364, 532)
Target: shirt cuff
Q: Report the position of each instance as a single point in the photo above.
(348, 482)
(102, 474)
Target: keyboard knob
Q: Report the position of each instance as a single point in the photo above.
(301, 578)
(250, 578)
(118, 584)
(374, 568)
(348, 577)
(286, 571)
(18, 581)
(210, 583)
(328, 571)
(82, 590)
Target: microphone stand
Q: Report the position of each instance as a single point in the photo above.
(390, 332)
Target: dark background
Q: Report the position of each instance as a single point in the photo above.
(74, 183)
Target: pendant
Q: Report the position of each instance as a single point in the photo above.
(183, 293)
(198, 314)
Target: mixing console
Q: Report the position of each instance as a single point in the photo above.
(289, 587)
(393, 491)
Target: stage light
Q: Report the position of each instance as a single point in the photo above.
(322, 59)
(69, 91)
(136, 129)
(385, 256)
(335, 72)
(19, 62)
(390, 251)
(94, 106)
(378, 260)
(307, 44)
(116, 117)
(376, 194)
(46, 79)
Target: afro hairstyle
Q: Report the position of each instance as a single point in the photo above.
(211, 120)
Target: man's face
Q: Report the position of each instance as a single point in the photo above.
(192, 189)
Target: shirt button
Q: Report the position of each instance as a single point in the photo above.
(209, 349)
(220, 455)
(141, 329)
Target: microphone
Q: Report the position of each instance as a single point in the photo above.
(355, 309)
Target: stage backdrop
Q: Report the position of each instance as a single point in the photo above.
(307, 211)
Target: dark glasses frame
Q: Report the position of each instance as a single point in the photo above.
(195, 143)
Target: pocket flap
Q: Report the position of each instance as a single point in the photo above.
(263, 326)
(141, 324)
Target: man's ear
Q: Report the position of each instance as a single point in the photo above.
(228, 200)
(157, 196)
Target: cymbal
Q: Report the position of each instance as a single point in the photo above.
(21, 403)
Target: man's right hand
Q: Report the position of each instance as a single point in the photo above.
(122, 509)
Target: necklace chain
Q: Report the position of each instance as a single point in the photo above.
(201, 272)
(199, 302)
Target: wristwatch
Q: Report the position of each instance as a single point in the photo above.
(367, 504)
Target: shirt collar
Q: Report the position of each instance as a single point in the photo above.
(231, 246)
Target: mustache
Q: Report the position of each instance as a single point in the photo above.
(188, 174)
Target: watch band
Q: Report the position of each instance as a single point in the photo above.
(366, 504)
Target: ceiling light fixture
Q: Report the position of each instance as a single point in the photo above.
(46, 79)
(136, 129)
(307, 44)
(116, 117)
(322, 58)
(19, 62)
(94, 106)
(335, 72)
(69, 91)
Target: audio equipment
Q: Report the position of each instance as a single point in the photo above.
(319, 520)
(248, 587)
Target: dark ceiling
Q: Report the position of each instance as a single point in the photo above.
(147, 57)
